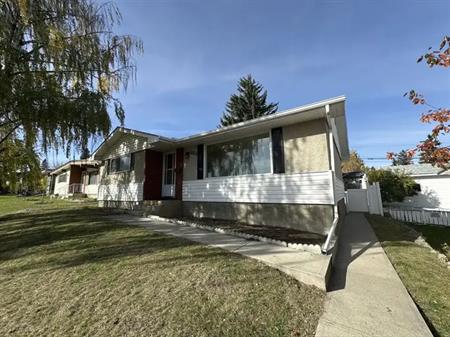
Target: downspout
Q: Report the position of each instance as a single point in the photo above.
(326, 248)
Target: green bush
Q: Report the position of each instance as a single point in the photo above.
(394, 186)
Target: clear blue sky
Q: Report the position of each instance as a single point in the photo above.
(301, 51)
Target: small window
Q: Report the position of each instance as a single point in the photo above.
(120, 164)
(62, 178)
(92, 179)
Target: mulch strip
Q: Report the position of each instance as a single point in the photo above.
(276, 233)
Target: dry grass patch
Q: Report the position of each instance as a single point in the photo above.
(70, 272)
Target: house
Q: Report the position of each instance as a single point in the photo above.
(433, 189)
(76, 177)
(278, 170)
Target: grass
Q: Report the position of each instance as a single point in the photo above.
(12, 203)
(426, 278)
(437, 237)
(72, 272)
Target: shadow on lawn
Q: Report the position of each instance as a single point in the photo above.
(69, 238)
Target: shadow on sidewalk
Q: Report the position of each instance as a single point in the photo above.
(355, 238)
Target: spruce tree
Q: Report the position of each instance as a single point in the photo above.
(248, 103)
(402, 158)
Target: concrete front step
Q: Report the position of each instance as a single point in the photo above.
(164, 208)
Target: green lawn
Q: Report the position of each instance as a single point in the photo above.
(426, 278)
(12, 203)
(70, 272)
(437, 237)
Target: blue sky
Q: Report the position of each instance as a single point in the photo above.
(301, 51)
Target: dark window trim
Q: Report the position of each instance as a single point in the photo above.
(110, 161)
(277, 150)
(200, 161)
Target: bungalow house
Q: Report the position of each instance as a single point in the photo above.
(278, 170)
(433, 186)
(76, 177)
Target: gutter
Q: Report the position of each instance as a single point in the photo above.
(327, 247)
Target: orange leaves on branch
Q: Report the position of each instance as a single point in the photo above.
(439, 57)
(415, 97)
(431, 149)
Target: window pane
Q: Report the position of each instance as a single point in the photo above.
(249, 155)
(62, 178)
(124, 164)
(168, 177)
(92, 179)
(169, 169)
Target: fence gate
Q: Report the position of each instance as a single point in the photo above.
(365, 200)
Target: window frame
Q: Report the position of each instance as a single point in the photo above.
(110, 161)
(62, 175)
(90, 174)
(268, 135)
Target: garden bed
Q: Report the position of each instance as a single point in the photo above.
(281, 236)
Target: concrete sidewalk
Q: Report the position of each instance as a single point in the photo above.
(366, 297)
(306, 267)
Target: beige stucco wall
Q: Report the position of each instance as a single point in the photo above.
(126, 177)
(190, 164)
(310, 218)
(306, 147)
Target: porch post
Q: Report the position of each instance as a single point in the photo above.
(179, 165)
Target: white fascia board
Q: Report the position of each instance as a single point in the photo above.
(274, 117)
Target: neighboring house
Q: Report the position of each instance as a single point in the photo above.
(278, 170)
(76, 177)
(433, 186)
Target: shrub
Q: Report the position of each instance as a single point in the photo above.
(395, 186)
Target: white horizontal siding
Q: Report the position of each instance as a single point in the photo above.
(339, 188)
(62, 188)
(300, 188)
(91, 190)
(121, 192)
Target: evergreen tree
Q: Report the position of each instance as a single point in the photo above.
(402, 158)
(60, 65)
(248, 103)
(44, 165)
(85, 153)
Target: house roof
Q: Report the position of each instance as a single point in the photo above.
(80, 162)
(417, 169)
(332, 109)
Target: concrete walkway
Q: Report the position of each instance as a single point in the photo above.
(306, 267)
(366, 297)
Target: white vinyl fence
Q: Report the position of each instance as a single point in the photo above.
(365, 200)
(420, 215)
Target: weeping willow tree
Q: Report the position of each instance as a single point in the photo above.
(20, 168)
(60, 66)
